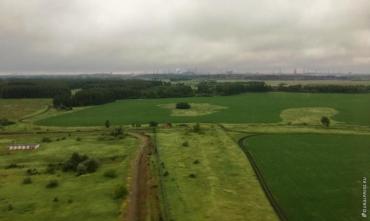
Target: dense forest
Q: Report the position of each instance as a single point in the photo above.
(32, 88)
(69, 92)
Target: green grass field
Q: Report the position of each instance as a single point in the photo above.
(15, 109)
(86, 197)
(314, 177)
(224, 186)
(245, 108)
(314, 172)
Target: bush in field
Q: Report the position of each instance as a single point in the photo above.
(12, 166)
(196, 128)
(136, 125)
(46, 140)
(32, 172)
(117, 132)
(27, 180)
(81, 164)
(325, 121)
(81, 169)
(110, 174)
(183, 105)
(6, 122)
(185, 144)
(119, 192)
(153, 124)
(91, 165)
(192, 175)
(78, 139)
(52, 184)
(72, 163)
(107, 124)
(50, 170)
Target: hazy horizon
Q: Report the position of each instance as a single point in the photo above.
(91, 36)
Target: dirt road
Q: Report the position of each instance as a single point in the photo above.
(143, 201)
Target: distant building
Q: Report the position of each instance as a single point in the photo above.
(23, 146)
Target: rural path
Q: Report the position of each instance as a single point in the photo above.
(142, 201)
(37, 113)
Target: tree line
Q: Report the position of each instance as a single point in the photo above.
(211, 88)
(32, 88)
(100, 91)
(324, 88)
(105, 92)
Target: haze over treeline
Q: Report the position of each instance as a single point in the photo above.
(89, 36)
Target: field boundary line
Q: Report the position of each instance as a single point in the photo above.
(164, 202)
(279, 211)
(268, 193)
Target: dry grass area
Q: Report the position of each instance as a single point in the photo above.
(307, 115)
(15, 109)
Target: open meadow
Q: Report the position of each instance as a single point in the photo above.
(26, 189)
(207, 177)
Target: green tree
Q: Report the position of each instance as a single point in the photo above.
(325, 121)
(107, 124)
(81, 169)
(117, 131)
(153, 124)
(119, 192)
(196, 128)
(183, 105)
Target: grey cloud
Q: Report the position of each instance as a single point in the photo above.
(116, 35)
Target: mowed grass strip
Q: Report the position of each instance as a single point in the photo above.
(314, 177)
(207, 177)
(245, 108)
(15, 109)
(86, 197)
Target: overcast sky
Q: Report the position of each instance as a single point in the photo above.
(209, 35)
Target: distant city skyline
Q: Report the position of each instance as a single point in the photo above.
(145, 36)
